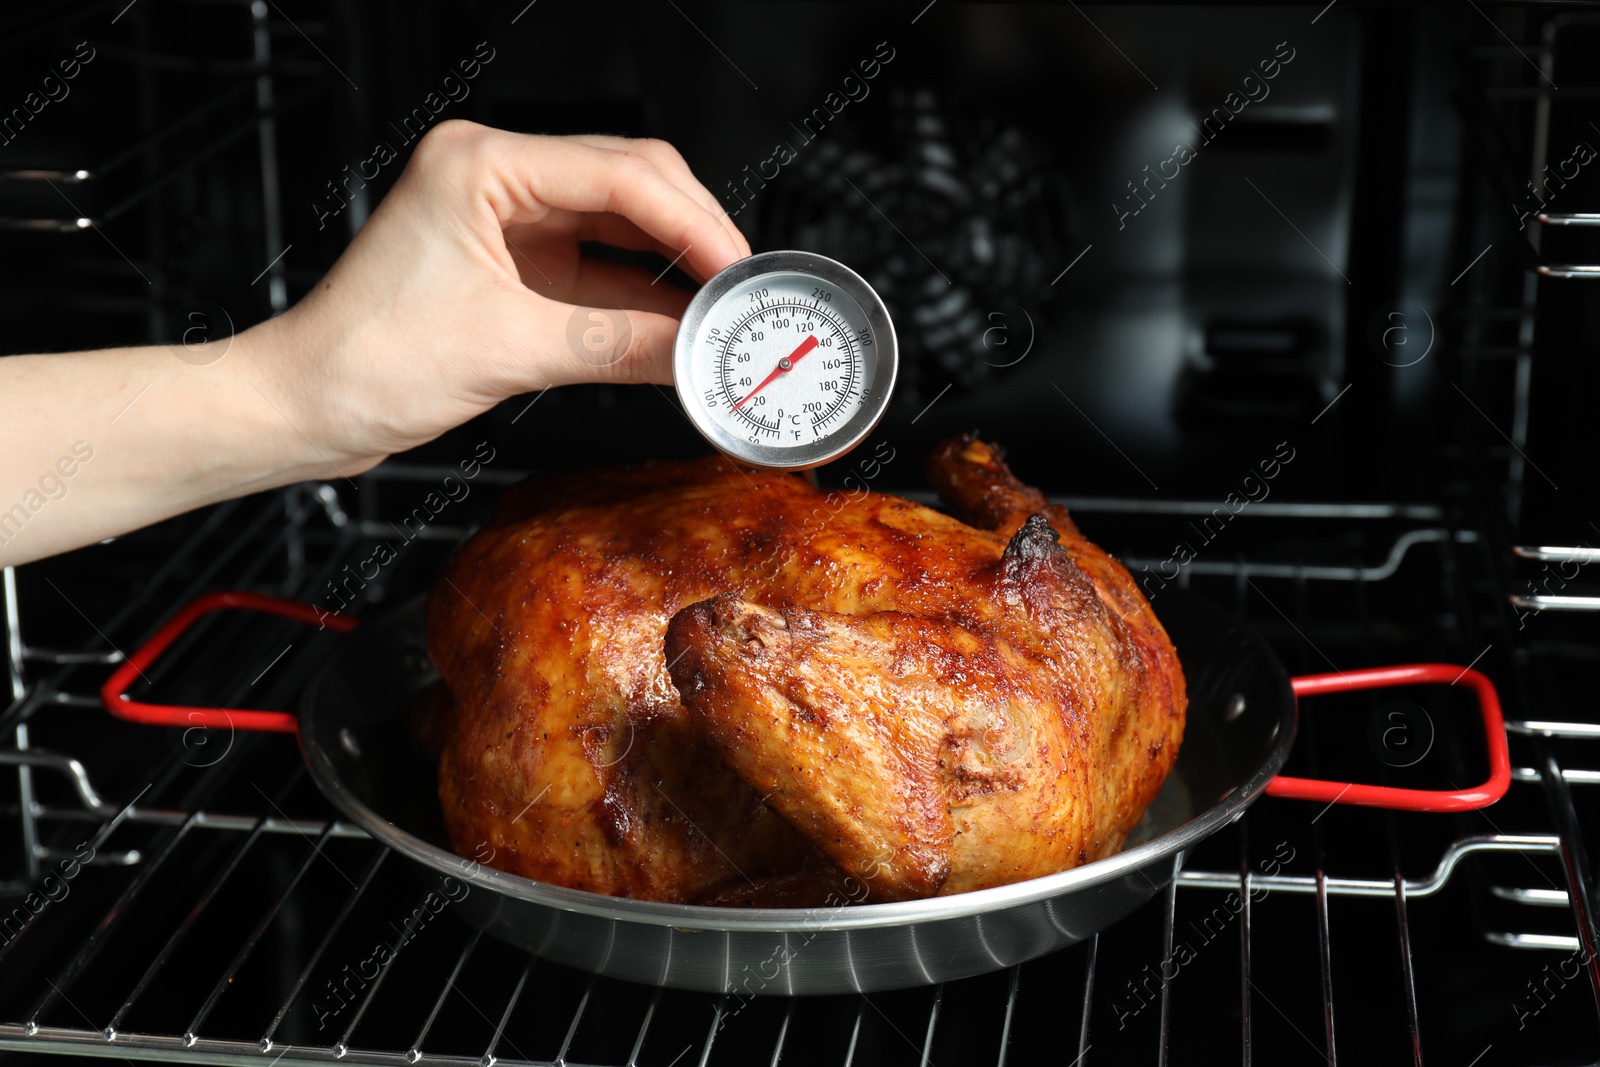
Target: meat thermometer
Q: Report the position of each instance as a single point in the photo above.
(785, 360)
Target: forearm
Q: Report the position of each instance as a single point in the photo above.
(95, 444)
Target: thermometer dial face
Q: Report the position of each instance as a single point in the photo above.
(785, 360)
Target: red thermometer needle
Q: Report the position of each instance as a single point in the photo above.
(783, 367)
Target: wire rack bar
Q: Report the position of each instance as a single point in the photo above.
(855, 1034)
(253, 939)
(371, 992)
(51, 655)
(933, 1021)
(30, 823)
(1547, 898)
(644, 1028)
(577, 1018)
(322, 947)
(1585, 730)
(1544, 602)
(415, 1052)
(1325, 958)
(1557, 553)
(1088, 996)
(13, 635)
(1005, 1024)
(1310, 572)
(1552, 942)
(1362, 887)
(783, 1036)
(1568, 218)
(489, 1057)
(1576, 865)
(1570, 775)
(1282, 509)
(1170, 920)
(718, 1008)
(1246, 879)
(1407, 968)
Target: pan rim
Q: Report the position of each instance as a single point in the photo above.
(692, 918)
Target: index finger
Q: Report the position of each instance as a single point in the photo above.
(529, 175)
(671, 164)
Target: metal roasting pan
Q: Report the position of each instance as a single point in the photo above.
(1241, 725)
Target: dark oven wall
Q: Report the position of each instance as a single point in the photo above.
(1334, 260)
(1123, 240)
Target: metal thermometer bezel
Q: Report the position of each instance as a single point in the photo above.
(885, 358)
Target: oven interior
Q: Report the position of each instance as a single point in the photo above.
(1370, 273)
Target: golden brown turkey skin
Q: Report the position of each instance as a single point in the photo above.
(921, 756)
(886, 690)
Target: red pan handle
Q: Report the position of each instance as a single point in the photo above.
(114, 693)
(1383, 796)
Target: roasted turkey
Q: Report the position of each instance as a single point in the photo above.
(697, 682)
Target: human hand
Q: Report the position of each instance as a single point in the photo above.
(466, 287)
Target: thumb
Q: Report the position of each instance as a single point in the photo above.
(592, 344)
